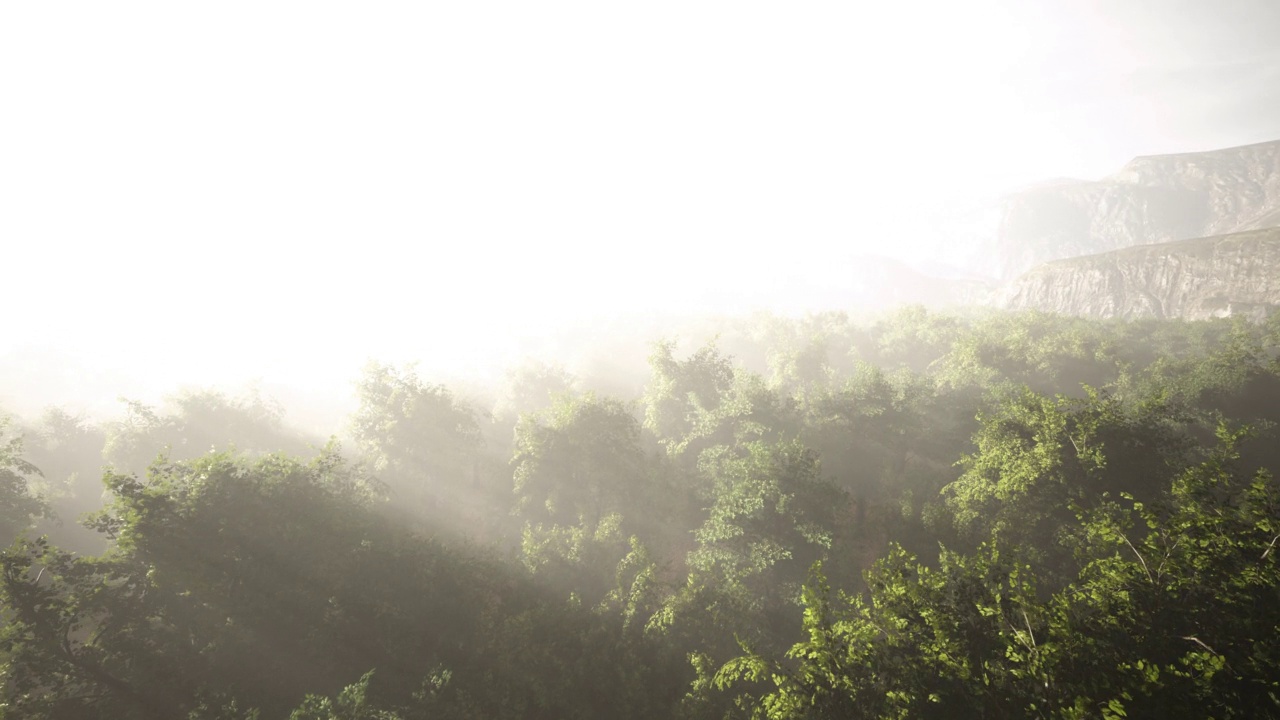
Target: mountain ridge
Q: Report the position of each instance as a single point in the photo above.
(1151, 199)
(1229, 275)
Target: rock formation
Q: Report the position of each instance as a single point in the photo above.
(1228, 275)
(1153, 199)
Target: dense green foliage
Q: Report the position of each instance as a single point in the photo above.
(1008, 515)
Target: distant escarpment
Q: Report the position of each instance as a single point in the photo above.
(1153, 199)
(1228, 275)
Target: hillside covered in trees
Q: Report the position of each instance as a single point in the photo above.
(965, 516)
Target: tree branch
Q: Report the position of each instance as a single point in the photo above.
(1145, 569)
(1199, 642)
(1270, 547)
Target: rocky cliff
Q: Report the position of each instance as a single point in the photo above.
(1151, 200)
(1228, 275)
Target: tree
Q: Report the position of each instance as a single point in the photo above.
(533, 387)
(225, 575)
(770, 510)
(18, 506)
(771, 516)
(679, 391)
(68, 449)
(1171, 613)
(586, 491)
(424, 443)
(1174, 612)
(193, 423)
(1039, 460)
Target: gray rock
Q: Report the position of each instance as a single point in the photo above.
(1223, 276)
(1153, 199)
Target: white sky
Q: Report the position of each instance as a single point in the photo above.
(281, 190)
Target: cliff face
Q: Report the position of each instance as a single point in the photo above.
(1153, 199)
(1228, 275)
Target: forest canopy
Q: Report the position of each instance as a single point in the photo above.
(929, 515)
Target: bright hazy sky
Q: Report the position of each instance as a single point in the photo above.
(282, 190)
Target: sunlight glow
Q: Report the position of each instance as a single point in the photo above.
(244, 187)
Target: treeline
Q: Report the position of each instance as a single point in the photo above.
(1003, 515)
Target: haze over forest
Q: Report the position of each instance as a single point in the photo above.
(219, 195)
(696, 360)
